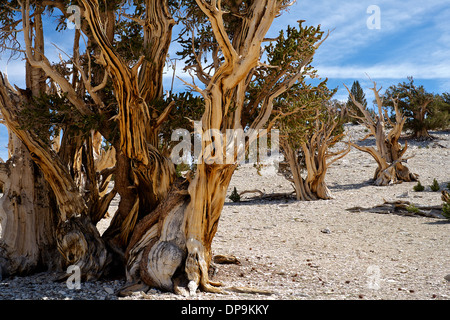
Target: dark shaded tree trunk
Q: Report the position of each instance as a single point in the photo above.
(28, 217)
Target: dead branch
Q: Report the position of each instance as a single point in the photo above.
(403, 208)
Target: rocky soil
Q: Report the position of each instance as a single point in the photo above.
(314, 250)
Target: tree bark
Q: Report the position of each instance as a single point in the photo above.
(422, 134)
(171, 247)
(77, 247)
(302, 191)
(28, 217)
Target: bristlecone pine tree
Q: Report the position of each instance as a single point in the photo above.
(418, 107)
(76, 170)
(388, 152)
(306, 147)
(308, 126)
(162, 232)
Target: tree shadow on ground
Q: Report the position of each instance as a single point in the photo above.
(438, 222)
(352, 186)
(253, 201)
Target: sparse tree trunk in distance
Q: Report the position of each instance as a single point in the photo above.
(318, 157)
(388, 152)
(302, 191)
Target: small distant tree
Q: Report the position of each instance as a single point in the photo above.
(416, 104)
(307, 137)
(358, 93)
(435, 187)
(419, 187)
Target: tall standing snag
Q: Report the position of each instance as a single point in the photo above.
(388, 152)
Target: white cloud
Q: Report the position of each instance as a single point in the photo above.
(350, 33)
(387, 71)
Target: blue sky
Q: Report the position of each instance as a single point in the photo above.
(413, 40)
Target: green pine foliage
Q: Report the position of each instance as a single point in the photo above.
(423, 110)
(435, 186)
(412, 208)
(234, 196)
(446, 210)
(360, 96)
(419, 187)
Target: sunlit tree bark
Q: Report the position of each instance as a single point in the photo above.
(174, 251)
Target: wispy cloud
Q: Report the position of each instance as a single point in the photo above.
(414, 40)
(387, 71)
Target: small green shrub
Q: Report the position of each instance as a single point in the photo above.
(412, 208)
(419, 187)
(448, 185)
(435, 186)
(234, 196)
(446, 210)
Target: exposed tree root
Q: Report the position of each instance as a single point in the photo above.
(226, 259)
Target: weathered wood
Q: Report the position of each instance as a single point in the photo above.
(403, 208)
(71, 205)
(27, 216)
(317, 159)
(226, 259)
(388, 152)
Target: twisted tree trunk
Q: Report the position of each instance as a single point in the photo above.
(317, 158)
(28, 217)
(388, 152)
(85, 249)
(143, 176)
(302, 189)
(171, 247)
(39, 201)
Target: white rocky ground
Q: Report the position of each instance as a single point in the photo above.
(315, 250)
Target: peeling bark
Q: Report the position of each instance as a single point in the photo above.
(71, 206)
(28, 218)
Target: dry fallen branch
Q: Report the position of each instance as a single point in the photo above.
(403, 208)
(226, 259)
(264, 196)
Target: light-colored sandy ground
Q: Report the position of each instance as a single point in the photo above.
(316, 250)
